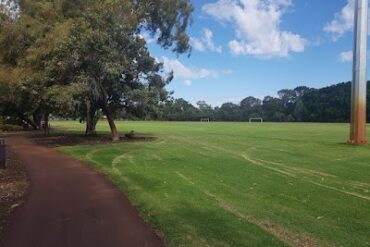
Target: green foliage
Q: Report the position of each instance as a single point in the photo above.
(302, 104)
(10, 127)
(57, 46)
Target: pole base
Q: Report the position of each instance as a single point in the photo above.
(356, 142)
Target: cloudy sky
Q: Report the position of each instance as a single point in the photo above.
(256, 47)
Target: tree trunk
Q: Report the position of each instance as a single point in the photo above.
(112, 125)
(37, 117)
(28, 121)
(91, 119)
(46, 124)
(113, 128)
(109, 115)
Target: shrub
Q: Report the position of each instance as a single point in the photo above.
(10, 127)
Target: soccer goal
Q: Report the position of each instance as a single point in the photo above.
(204, 120)
(256, 120)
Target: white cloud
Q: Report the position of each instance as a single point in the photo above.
(346, 56)
(187, 74)
(206, 42)
(148, 37)
(188, 83)
(197, 44)
(257, 24)
(343, 21)
(227, 72)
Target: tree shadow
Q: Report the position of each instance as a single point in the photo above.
(74, 139)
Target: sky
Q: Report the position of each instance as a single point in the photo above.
(254, 48)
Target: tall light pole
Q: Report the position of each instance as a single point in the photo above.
(359, 82)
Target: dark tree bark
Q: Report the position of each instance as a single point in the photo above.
(46, 126)
(112, 125)
(91, 119)
(37, 118)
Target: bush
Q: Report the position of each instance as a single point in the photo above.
(10, 127)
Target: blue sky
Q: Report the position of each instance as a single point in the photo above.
(256, 47)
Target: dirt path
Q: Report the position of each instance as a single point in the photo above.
(13, 184)
(69, 205)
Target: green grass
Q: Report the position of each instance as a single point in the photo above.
(240, 184)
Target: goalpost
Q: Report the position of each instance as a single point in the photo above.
(204, 120)
(256, 119)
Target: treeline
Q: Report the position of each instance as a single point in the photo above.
(302, 104)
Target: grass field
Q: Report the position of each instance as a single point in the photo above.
(240, 184)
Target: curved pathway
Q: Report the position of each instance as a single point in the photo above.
(69, 205)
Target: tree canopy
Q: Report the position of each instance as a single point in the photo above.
(79, 57)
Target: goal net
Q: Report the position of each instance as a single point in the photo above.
(256, 120)
(204, 120)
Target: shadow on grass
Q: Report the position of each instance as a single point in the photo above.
(60, 137)
(76, 138)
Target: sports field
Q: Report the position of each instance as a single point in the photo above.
(241, 184)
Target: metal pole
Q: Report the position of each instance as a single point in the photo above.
(359, 83)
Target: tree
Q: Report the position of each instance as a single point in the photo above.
(110, 57)
(229, 112)
(273, 109)
(250, 107)
(27, 39)
(205, 109)
(329, 104)
(95, 45)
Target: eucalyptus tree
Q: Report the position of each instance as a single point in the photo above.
(93, 45)
(105, 51)
(15, 100)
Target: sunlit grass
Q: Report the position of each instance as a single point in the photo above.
(241, 184)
